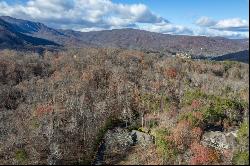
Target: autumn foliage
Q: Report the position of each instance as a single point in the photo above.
(203, 155)
(43, 109)
(196, 104)
(181, 135)
(82, 91)
(196, 134)
(171, 72)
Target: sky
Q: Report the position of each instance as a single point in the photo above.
(226, 18)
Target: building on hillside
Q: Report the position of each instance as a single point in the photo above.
(183, 55)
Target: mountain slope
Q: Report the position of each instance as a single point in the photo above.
(138, 39)
(127, 39)
(10, 37)
(242, 56)
(39, 30)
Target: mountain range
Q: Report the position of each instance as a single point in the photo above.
(22, 34)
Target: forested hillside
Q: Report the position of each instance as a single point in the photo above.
(64, 107)
(20, 34)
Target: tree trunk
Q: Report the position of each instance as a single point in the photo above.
(142, 120)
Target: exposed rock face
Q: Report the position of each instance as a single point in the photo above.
(219, 140)
(117, 143)
(118, 140)
(142, 138)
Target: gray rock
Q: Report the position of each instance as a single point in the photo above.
(119, 139)
(143, 138)
(219, 140)
(116, 142)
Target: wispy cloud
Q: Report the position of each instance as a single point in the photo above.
(224, 33)
(232, 24)
(167, 28)
(205, 22)
(194, 31)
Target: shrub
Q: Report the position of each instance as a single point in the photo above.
(220, 109)
(34, 123)
(216, 108)
(243, 133)
(153, 123)
(21, 156)
(203, 155)
(181, 135)
(154, 102)
(190, 96)
(196, 134)
(212, 115)
(241, 158)
(171, 73)
(228, 65)
(43, 109)
(195, 118)
(196, 104)
(164, 146)
(218, 73)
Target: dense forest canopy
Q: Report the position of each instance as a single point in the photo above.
(56, 108)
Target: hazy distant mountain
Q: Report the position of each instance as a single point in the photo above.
(242, 56)
(40, 30)
(138, 39)
(20, 32)
(12, 37)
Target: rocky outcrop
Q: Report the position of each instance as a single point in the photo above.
(117, 143)
(142, 138)
(220, 140)
(118, 139)
(114, 144)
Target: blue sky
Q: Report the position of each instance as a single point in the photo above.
(227, 18)
(176, 10)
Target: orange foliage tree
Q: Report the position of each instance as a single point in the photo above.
(203, 155)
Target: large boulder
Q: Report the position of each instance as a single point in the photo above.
(142, 138)
(116, 143)
(219, 140)
(118, 139)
